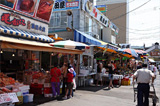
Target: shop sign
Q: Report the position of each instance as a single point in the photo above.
(95, 13)
(5, 17)
(23, 23)
(155, 53)
(101, 8)
(66, 5)
(112, 47)
(38, 9)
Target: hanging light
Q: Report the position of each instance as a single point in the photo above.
(1, 51)
(52, 54)
(13, 54)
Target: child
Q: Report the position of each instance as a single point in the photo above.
(69, 82)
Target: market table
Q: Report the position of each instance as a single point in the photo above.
(115, 77)
(82, 77)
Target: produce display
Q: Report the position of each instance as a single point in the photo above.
(5, 80)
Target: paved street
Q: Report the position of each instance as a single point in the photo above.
(101, 96)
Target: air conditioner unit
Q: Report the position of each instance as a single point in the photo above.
(96, 36)
(125, 45)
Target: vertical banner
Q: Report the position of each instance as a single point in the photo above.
(45, 9)
(26, 6)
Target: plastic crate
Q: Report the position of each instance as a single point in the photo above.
(116, 82)
(47, 90)
(36, 85)
(36, 91)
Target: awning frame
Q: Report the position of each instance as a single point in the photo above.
(14, 43)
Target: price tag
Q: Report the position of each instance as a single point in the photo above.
(5, 98)
(14, 98)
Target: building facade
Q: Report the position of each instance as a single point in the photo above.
(116, 12)
(89, 24)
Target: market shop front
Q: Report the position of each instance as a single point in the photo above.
(23, 38)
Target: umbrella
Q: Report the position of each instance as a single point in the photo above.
(142, 52)
(128, 51)
(69, 44)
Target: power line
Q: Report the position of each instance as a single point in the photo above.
(119, 6)
(130, 11)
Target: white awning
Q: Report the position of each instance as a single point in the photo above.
(151, 60)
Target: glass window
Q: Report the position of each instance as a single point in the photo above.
(58, 20)
(86, 24)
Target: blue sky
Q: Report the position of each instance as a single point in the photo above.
(144, 23)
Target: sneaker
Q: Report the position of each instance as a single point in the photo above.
(64, 98)
(70, 96)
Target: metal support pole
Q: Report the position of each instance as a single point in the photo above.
(0, 57)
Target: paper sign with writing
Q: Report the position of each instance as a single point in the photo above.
(14, 98)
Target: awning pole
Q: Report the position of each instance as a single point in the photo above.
(50, 60)
(0, 56)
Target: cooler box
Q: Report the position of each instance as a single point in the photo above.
(36, 89)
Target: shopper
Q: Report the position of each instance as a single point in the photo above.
(69, 82)
(55, 80)
(99, 73)
(64, 77)
(155, 70)
(143, 76)
(111, 71)
(139, 66)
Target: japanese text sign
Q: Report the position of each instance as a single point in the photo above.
(61, 5)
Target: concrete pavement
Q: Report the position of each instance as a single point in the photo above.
(101, 96)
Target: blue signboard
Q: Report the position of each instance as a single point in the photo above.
(61, 5)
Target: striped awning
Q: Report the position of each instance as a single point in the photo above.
(85, 38)
(25, 34)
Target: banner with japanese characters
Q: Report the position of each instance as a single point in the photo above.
(38, 9)
(20, 22)
(61, 5)
(99, 16)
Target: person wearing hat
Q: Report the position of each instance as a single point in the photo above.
(143, 77)
(69, 82)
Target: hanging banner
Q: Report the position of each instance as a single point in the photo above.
(45, 9)
(26, 6)
(38, 9)
(61, 5)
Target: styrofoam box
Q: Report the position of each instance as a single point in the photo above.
(25, 87)
(47, 85)
(24, 92)
(48, 95)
